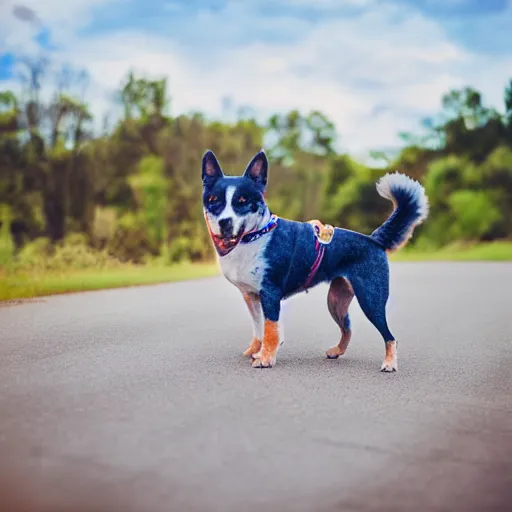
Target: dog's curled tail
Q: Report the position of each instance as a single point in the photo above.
(411, 209)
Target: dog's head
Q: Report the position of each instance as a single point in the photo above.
(233, 205)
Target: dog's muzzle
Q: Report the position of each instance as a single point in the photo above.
(226, 241)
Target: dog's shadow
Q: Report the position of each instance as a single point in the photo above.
(311, 363)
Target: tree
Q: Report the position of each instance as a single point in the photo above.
(508, 108)
(142, 98)
(135, 189)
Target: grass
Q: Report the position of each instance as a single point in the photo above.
(30, 285)
(492, 251)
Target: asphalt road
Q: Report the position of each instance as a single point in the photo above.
(139, 400)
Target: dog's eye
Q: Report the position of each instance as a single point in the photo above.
(242, 200)
(212, 198)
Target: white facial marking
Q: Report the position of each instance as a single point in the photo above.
(228, 209)
(227, 213)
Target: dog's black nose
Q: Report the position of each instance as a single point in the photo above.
(226, 227)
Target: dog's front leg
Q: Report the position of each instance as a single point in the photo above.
(271, 304)
(254, 305)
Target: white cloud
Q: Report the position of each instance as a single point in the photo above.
(330, 4)
(330, 66)
(63, 17)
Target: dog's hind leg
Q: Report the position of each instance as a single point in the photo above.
(338, 300)
(254, 306)
(372, 295)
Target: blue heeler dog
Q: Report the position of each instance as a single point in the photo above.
(269, 258)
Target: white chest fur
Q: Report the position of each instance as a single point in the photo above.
(245, 265)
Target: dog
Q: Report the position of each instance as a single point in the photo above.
(270, 259)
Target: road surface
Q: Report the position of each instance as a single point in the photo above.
(138, 400)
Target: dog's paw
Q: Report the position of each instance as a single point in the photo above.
(256, 355)
(334, 352)
(389, 366)
(253, 349)
(264, 361)
(390, 363)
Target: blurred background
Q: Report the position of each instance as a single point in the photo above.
(107, 106)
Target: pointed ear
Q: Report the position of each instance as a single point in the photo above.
(257, 170)
(211, 170)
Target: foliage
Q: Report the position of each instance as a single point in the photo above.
(474, 213)
(6, 241)
(72, 253)
(72, 198)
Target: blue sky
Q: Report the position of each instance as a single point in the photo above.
(375, 67)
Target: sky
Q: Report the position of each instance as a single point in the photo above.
(374, 67)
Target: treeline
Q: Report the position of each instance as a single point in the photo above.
(134, 191)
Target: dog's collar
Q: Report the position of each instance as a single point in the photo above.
(247, 237)
(254, 235)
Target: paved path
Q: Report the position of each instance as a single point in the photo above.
(138, 400)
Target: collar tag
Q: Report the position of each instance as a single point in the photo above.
(323, 232)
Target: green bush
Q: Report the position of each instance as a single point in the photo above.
(474, 214)
(6, 241)
(104, 226)
(35, 254)
(179, 250)
(131, 241)
(73, 253)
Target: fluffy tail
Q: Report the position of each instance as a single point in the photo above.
(411, 209)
